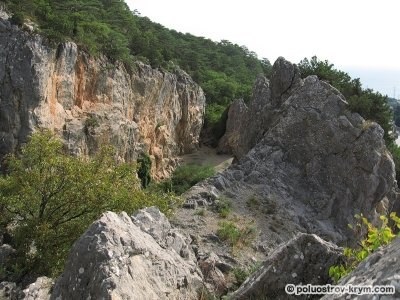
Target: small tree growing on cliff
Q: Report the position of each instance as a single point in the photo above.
(144, 169)
(53, 197)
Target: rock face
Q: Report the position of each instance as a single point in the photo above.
(312, 164)
(380, 268)
(120, 257)
(247, 125)
(303, 260)
(39, 290)
(90, 101)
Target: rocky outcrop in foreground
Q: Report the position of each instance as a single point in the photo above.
(305, 162)
(120, 257)
(380, 268)
(303, 260)
(91, 101)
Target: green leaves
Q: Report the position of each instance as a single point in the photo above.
(143, 172)
(53, 197)
(375, 238)
(337, 272)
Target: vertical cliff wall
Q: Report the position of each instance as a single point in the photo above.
(91, 101)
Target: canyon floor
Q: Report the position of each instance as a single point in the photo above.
(208, 156)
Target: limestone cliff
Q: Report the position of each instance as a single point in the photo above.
(91, 101)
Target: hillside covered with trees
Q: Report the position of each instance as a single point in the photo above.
(224, 70)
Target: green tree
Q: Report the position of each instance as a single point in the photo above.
(51, 198)
(144, 169)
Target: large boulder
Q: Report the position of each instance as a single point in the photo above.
(381, 268)
(116, 259)
(89, 101)
(305, 259)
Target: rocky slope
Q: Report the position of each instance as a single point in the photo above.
(122, 257)
(305, 166)
(91, 101)
(305, 162)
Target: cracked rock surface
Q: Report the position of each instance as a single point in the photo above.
(305, 163)
(120, 257)
(305, 259)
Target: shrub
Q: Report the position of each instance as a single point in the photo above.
(91, 122)
(51, 198)
(241, 274)
(223, 207)
(144, 169)
(375, 237)
(184, 177)
(234, 235)
(200, 212)
(253, 202)
(215, 118)
(17, 19)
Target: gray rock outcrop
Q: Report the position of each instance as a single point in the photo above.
(6, 253)
(8, 291)
(307, 162)
(246, 125)
(90, 101)
(380, 268)
(116, 259)
(38, 290)
(303, 260)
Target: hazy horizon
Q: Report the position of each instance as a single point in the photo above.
(356, 39)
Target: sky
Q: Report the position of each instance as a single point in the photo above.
(360, 37)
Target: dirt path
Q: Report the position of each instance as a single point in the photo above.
(208, 156)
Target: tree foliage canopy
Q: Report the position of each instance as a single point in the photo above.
(53, 197)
